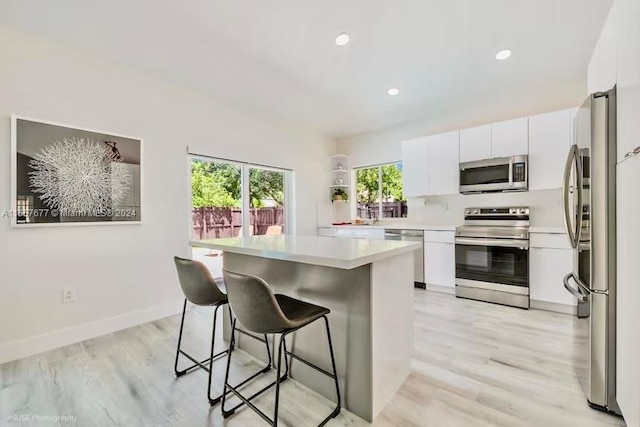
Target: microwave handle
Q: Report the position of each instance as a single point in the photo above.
(511, 172)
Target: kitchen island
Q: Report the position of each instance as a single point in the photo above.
(367, 285)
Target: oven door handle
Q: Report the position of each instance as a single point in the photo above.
(504, 243)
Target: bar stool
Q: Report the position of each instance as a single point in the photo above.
(201, 289)
(260, 311)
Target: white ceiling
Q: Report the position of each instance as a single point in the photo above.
(280, 55)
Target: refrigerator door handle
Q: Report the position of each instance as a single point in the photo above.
(580, 185)
(582, 297)
(586, 290)
(571, 158)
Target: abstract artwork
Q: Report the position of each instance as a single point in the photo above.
(65, 175)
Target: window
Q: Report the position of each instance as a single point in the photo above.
(231, 199)
(379, 192)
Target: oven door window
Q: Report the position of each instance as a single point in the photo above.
(498, 174)
(493, 264)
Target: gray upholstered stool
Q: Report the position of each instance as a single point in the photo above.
(200, 288)
(260, 311)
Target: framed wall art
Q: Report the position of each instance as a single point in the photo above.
(63, 175)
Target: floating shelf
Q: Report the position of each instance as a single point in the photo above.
(339, 186)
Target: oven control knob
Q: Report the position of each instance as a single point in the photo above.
(523, 211)
(468, 212)
(513, 211)
(476, 211)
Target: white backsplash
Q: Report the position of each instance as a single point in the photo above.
(546, 207)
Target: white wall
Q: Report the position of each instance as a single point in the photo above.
(546, 207)
(124, 273)
(616, 60)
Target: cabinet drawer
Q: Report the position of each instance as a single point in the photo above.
(551, 241)
(439, 236)
(327, 232)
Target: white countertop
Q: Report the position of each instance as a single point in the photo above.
(324, 251)
(413, 226)
(397, 226)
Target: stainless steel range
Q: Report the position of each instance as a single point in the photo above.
(492, 256)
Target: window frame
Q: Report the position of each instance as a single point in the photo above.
(354, 185)
(245, 167)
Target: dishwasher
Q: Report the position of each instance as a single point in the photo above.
(411, 236)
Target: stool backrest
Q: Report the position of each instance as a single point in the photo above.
(196, 282)
(253, 303)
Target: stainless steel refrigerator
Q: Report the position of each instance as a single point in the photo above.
(589, 193)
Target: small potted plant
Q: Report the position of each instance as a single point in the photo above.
(339, 195)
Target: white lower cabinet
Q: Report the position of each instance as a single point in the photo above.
(550, 261)
(327, 232)
(439, 264)
(361, 233)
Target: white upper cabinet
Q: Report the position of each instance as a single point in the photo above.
(475, 143)
(430, 165)
(549, 142)
(628, 74)
(510, 138)
(444, 175)
(415, 175)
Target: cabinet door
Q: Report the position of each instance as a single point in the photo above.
(327, 232)
(548, 268)
(369, 233)
(443, 165)
(628, 289)
(549, 142)
(439, 264)
(510, 138)
(475, 143)
(628, 85)
(415, 154)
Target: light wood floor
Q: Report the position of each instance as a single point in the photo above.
(475, 364)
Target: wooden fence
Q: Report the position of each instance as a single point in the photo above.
(389, 210)
(214, 223)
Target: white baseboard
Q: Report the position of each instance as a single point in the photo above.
(441, 289)
(555, 307)
(40, 343)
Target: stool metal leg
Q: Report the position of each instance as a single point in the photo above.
(213, 401)
(277, 405)
(234, 389)
(282, 352)
(175, 366)
(336, 411)
(196, 363)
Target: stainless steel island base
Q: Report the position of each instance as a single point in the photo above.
(371, 322)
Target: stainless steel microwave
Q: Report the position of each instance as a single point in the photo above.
(495, 175)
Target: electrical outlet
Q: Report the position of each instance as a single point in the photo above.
(68, 295)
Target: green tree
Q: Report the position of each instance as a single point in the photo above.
(266, 184)
(219, 184)
(392, 182)
(368, 183)
(207, 190)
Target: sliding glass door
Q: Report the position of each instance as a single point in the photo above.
(216, 207)
(234, 199)
(267, 200)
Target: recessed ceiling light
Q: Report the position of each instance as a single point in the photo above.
(393, 91)
(503, 54)
(342, 39)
